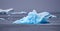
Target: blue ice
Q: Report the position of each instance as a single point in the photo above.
(35, 18)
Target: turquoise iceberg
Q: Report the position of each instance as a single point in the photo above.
(35, 18)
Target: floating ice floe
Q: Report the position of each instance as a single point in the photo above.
(19, 12)
(6, 11)
(35, 18)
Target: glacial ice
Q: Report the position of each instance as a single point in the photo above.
(35, 18)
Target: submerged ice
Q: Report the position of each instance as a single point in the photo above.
(35, 18)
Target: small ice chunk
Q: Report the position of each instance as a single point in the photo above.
(23, 12)
(34, 18)
(19, 12)
(2, 19)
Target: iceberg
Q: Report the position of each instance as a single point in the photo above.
(35, 18)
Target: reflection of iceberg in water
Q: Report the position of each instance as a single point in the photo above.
(35, 18)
